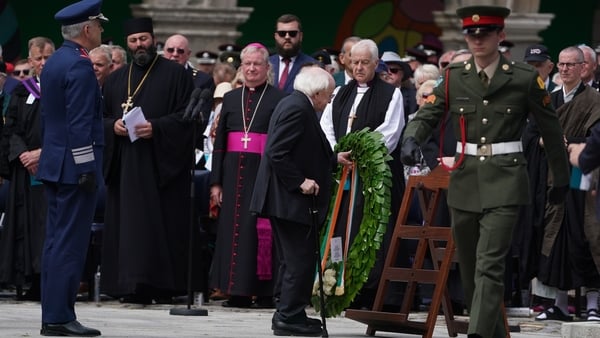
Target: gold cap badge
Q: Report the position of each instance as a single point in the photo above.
(475, 18)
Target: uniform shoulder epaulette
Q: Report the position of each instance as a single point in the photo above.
(457, 64)
(523, 66)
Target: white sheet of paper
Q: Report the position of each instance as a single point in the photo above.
(336, 250)
(133, 118)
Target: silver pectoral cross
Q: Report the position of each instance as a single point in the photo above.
(246, 139)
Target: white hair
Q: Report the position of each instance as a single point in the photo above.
(366, 45)
(313, 79)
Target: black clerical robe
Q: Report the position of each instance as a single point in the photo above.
(566, 261)
(370, 112)
(234, 168)
(22, 238)
(147, 183)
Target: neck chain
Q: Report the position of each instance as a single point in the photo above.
(129, 103)
(246, 139)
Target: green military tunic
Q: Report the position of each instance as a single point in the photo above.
(485, 190)
(493, 115)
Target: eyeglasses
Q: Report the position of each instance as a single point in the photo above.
(394, 70)
(568, 65)
(172, 50)
(282, 34)
(19, 72)
(425, 95)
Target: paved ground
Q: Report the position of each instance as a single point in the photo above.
(22, 319)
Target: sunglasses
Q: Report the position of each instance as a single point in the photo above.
(172, 50)
(19, 72)
(394, 70)
(282, 34)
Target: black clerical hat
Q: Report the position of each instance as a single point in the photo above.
(138, 25)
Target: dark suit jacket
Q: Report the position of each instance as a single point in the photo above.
(296, 149)
(301, 59)
(589, 159)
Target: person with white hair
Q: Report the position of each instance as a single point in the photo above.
(293, 178)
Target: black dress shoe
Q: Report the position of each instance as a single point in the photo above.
(309, 321)
(238, 301)
(281, 328)
(71, 329)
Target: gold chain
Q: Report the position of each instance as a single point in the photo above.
(129, 94)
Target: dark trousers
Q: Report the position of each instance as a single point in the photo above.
(295, 245)
(482, 242)
(68, 226)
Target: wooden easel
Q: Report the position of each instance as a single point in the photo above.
(429, 190)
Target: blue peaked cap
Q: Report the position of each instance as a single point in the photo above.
(79, 12)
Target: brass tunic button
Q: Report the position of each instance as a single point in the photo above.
(486, 102)
(515, 160)
(482, 158)
(484, 120)
(461, 109)
(483, 139)
(508, 111)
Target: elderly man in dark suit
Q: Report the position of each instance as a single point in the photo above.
(488, 99)
(70, 164)
(295, 176)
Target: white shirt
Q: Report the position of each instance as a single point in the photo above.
(391, 128)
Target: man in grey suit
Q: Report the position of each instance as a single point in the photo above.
(295, 176)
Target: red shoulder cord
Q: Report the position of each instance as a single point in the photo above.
(463, 133)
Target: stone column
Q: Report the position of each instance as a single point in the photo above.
(206, 23)
(522, 26)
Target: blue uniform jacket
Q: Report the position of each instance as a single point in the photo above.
(72, 130)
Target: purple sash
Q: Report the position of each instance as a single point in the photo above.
(32, 87)
(255, 142)
(263, 251)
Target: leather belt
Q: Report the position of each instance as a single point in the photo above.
(490, 149)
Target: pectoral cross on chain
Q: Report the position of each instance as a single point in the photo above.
(127, 105)
(246, 139)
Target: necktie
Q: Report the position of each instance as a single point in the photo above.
(484, 79)
(285, 72)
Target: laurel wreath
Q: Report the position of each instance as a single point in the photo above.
(370, 157)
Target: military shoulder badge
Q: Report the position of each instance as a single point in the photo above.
(430, 99)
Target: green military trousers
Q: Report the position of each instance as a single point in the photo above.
(482, 243)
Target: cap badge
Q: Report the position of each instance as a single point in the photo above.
(475, 18)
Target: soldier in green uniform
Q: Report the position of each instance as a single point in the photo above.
(488, 99)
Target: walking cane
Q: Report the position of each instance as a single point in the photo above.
(314, 211)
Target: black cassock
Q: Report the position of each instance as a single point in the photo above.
(148, 184)
(234, 267)
(22, 239)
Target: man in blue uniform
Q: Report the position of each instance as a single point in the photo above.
(70, 165)
(488, 99)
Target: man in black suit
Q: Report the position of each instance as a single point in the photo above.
(586, 157)
(295, 176)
